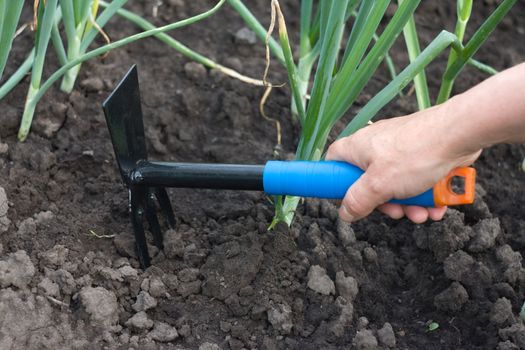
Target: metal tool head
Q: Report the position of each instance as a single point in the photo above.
(124, 119)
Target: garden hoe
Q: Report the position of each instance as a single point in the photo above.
(146, 180)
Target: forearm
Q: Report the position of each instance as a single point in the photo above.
(489, 113)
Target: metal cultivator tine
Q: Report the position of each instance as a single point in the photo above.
(151, 216)
(165, 206)
(143, 206)
(136, 208)
(124, 119)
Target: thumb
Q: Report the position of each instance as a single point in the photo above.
(366, 194)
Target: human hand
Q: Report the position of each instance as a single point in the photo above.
(402, 157)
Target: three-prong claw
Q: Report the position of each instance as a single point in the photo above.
(124, 118)
(143, 205)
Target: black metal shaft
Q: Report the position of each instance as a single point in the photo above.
(199, 175)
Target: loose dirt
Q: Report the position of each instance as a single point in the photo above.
(224, 281)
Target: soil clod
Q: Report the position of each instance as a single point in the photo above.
(386, 335)
(452, 298)
(17, 270)
(319, 281)
(101, 305)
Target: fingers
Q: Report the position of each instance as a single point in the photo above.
(437, 214)
(395, 211)
(367, 193)
(415, 214)
(418, 215)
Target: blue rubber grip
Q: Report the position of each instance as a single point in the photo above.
(324, 179)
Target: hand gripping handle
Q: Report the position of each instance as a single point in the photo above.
(331, 179)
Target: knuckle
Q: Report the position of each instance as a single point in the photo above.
(380, 187)
(359, 136)
(353, 205)
(376, 185)
(332, 150)
(339, 148)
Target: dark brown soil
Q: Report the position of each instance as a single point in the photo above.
(223, 280)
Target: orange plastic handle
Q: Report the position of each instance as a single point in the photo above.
(444, 195)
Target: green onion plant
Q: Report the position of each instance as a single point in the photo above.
(334, 73)
(44, 24)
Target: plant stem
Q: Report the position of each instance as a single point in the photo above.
(17, 76)
(286, 211)
(102, 19)
(29, 112)
(69, 15)
(485, 68)
(304, 71)
(389, 63)
(388, 59)
(305, 46)
(420, 80)
(361, 18)
(304, 32)
(464, 9)
(332, 31)
(57, 40)
(9, 16)
(46, 20)
(73, 50)
(290, 64)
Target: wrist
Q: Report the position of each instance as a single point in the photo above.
(461, 137)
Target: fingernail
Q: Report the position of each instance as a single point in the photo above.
(345, 214)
